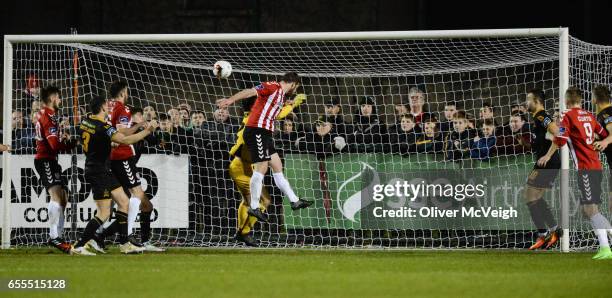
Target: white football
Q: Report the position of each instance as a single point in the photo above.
(222, 69)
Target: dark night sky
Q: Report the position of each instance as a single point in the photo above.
(588, 20)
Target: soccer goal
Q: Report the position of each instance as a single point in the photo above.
(484, 74)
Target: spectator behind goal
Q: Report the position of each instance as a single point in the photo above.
(483, 146)
(516, 137)
(403, 136)
(459, 142)
(322, 142)
(368, 134)
(432, 139)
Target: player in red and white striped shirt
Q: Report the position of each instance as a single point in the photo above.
(49, 142)
(258, 137)
(579, 129)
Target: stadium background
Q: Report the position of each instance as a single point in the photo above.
(587, 20)
(299, 273)
(278, 16)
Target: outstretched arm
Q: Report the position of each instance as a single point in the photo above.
(134, 138)
(288, 108)
(129, 130)
(244, 94)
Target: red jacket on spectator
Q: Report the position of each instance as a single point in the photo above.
(513, 143)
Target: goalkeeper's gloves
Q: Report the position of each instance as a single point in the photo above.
(339, 143)
(299, 99)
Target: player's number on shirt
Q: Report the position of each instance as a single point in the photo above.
(86, 136)
(588, 130)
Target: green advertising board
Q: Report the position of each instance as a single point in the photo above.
(337, 184)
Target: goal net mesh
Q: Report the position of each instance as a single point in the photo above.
(196, 200)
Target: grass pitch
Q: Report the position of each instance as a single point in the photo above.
(307, 273)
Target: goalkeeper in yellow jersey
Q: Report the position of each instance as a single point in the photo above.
(240, 170)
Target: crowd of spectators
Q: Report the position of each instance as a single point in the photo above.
(453, 132)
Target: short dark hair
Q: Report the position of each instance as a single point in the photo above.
(409, 117)
(461, 114)
(456, 104)
(136, 110)
(520, 115)
(574, 95)
(538, 94)
(163, 117)
(46, 92)
(601, 93)
(116, 87)
(290, 77)
(96, 104)
(488, 122)
(196, 112)
(430, 118)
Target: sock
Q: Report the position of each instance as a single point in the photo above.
(251, 221)
(600, 226)
(111, 230)
(535, 209)
(122, 226)
(549, 218)
(600, 222)
(255, 188)
(243, 217)
(53, 209)
(145, 226)
(60, 222)
(90, 229)
(133, 210)
(283, 185)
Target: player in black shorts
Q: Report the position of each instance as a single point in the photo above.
(50, 141)
(96, 138)
(258, 138)
(601, 99)
(542, 178)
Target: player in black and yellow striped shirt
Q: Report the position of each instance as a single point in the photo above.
(96, 138)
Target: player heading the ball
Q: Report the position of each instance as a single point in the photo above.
(258, 138)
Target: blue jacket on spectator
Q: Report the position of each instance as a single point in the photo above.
(23, 140)
(483, 148)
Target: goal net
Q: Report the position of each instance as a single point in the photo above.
(379, 108)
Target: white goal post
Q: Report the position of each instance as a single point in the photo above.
(133, 46)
